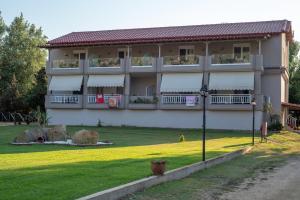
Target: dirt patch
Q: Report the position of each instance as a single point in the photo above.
(271, 183)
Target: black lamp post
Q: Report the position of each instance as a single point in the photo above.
(204, 94)
(253, 103)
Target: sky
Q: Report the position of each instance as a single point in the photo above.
(59, 17)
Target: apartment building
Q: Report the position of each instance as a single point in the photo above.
(151, 77)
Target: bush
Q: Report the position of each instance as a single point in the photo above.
(57, 133)
(85, 137)
(181, 138)
(277, 126)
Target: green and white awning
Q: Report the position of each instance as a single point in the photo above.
(183, 82)
(231, 81)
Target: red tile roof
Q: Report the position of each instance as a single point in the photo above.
(223, 31)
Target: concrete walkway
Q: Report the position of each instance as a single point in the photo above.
(283, 183)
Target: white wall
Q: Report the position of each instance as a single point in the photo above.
(156, 118)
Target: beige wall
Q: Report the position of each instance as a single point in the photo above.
(173, 49)
(139, 84)
(271, 50)
(227, 47)
(271, 86)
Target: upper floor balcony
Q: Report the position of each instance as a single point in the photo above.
(188, 63)
(104, 65)
(229, 62)
(65, 66)
(142, 64)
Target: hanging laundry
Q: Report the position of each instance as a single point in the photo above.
(113, 102)
(190, 100)
(100, 98)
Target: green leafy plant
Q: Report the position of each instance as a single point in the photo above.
(181, 138)
(99, 123)
(276, 126)
(42, 117)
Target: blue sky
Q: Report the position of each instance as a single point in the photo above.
(58, 17)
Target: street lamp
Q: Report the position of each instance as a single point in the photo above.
(204, 94)
(253, 103)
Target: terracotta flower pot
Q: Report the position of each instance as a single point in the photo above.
(158, 167)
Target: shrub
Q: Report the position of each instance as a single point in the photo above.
(57, 133)
(277, 126)
(181, 138)
(85, 137)
(99, 124)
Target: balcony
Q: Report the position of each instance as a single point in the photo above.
(230, 102)
(142, 102)
(91, 101)
(63, 101)
(180, 101)
(142, 64)
(105, 65)
(65, 66)
(227, 62)
(190, 63)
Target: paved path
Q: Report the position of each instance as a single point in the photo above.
(281, 184)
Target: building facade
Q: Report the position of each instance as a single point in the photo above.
(152, 77)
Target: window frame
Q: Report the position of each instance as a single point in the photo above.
(241, 45)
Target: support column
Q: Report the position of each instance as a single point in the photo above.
(158, 83)
(127, 90)
(259, 47)
(85, 91)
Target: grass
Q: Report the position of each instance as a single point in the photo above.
(212, 182)
(65, 172)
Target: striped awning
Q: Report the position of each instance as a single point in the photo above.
(65, 83)
(184, 82)
(106, 80)
(231, 81)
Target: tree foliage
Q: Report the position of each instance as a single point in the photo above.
(20, 60)
(294, 72)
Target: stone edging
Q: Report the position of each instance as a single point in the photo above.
(175, 174)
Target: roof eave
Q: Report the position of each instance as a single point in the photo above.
(158, 40)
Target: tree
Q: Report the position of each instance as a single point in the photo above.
(36, 97)
(21, 58)
(294, 72)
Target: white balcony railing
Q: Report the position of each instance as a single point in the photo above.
(92, 98)
(230, 99)
(64, 99)
(177, 98)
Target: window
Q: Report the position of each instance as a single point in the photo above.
(241, 52)
(123, 52)
(150, 90)
(185, 51)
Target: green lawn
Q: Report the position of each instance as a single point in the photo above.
(62, 172)
(213, 182)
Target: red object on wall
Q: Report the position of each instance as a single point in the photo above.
(99, 98)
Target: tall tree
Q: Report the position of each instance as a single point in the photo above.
(294, 72)
(36, 97)
(21, 58)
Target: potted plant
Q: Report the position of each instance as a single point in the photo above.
(158, 167)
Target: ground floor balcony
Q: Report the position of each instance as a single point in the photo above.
(142, 102)
(63, 101)
(104, 101)
(233, 102)
(180, 101)
(230, 98)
